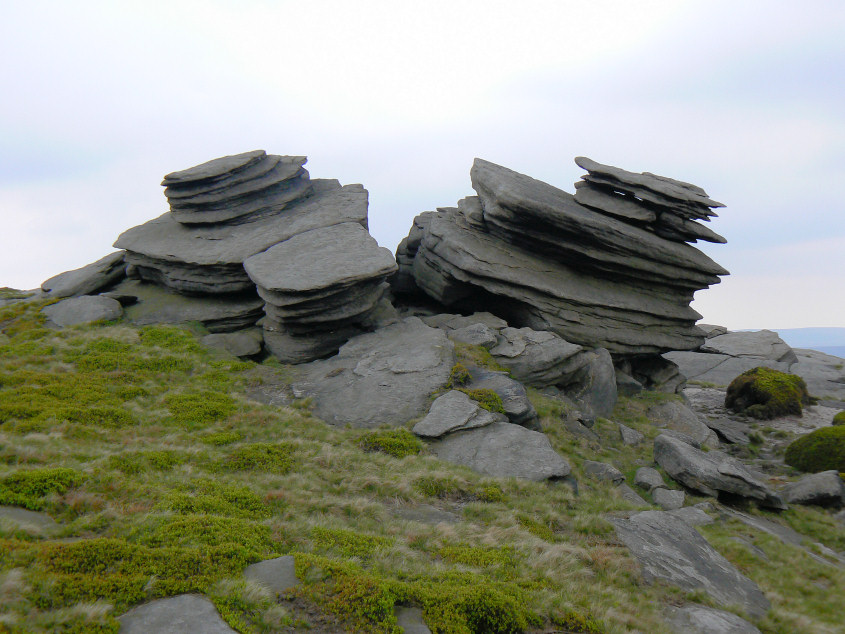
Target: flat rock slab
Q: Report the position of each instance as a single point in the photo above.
(719, 369)
(649, 479)
(630, 436)
(515, 401)
(183, 614)
(698, 619)
(669, 549)
(28, 520)
(668, 499)
(454, 411)
(538, 357)
(823, 373)
(336, 256)
(603, 472)
(410, 620)
(383, 377)
(628, 494)
(763, 344)
(503, 450)
(475, 335)
(85, 309)
(277, 575)
(215, 168)
(729, 430)
(244, 343)
(678, 417)
(88, 279)
(157, 305)
(711, 472)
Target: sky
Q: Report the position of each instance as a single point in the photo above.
(744, 98)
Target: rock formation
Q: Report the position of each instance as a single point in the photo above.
(607, 267)
(257, 220)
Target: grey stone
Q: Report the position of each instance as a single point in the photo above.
(182, 614)
(209, 258)
(29, 520)
(731, 367)
(693, 515)
(603, 472)
(626, 385)
(538, 357)
(383, 377)
(515, 401)
(88, 279)
(668, 499)
(454, 411)
(244, 343)
(824, 489)
(657, 374)
(711, 472)
(410, 620)
(629, 495)
(678, 417)
(763, 344)
(157, 305)
(84, 309)
(728, 430)
(669, 549)
(823, 373)
(606, 200)
(215, 168)
(503, 450)
(474, 335)
(711, 330)
(277, 575)
(697, 619)
(449, 321)
(630, 436)
(595, 392)
(648, 479)
(330, 257)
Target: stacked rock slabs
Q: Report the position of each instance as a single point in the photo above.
(595, 279)
(320, 287)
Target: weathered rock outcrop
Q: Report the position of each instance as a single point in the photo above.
(536, 256)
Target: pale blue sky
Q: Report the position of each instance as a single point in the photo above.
(745, 99)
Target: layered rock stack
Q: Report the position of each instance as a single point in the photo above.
(320, 289)
(616, 274)
(316, 267)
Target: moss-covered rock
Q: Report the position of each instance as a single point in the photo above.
(839, 418)
(765, 393)
(820, 450)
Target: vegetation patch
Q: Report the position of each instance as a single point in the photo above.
(134, 462)
(394, 442)
(196, 409)
(765, 393)
(486, 398)
(459, 376)
(819, 450)
(456, 490)
(254, 538)
(839, 418)
(348, 543)
(28, 488)
(261, 456)
(216, 498)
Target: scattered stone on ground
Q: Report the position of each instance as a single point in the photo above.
(475, 335)
(648, 479)
(538, 357)
(824, 489)
(669, 549)
(515, 401)
(243, 343)
(182, 614)
(383, 377)
(698, 619)
(728, 430)
(87, 280)
(503, 450)
(595, 393)
(694, 515)
(678, 417)
(630, 436)
(628, 494)
(711, 473)
(454, 411)
(84, 309)
(29, 521)
(603, 472)
(668, 499)
(277, 575)
(410, 620)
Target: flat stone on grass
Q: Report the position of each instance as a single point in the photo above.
(277, 575)
(182, 614)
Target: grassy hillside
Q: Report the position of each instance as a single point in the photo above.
(166, 477)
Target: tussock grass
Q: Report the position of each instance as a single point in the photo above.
(167, 478)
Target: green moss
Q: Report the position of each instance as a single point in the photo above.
(13, 293)
(478, 556)
(839, 418)
(538, 529)
(261, 456)
(488, 399)
(212, 530)
(215, 498)
(578, 623)
(459, 376)
(452, 489)
(765, 393)
(348, 543)
(194, 409)
(394, 442)
(819, 450)
(28, 488)
(134, 462)
(479, 356)
(170, 338)
(222, 438)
